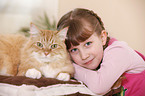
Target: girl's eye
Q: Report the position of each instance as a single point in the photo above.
(74, 50)
(88, 43)
(53, 46)
(39, 44)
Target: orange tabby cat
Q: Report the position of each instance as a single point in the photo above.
(43, 53)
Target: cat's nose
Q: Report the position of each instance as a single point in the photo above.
(46, 53)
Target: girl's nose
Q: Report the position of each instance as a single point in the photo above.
(84, 54)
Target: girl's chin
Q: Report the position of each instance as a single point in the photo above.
(90, 67)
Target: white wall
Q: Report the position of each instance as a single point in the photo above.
(15, 14)
(123, 19)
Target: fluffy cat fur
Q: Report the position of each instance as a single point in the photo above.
(42, 54)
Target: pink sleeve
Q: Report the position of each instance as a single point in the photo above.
(140, 55)
(114, 39)
(115, 63)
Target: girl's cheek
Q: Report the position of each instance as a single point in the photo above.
(75, 58)
(72, 57)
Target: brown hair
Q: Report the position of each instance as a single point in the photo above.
(82, 24)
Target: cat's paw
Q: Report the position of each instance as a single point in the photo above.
(33, 73)
(63, 76)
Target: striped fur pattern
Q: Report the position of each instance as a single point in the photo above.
(42, 54)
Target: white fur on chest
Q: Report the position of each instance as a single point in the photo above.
(49, 72)
(3, 71)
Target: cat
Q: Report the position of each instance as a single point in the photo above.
(44, 53)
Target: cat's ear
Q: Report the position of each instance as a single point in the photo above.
(33, 30)
(62, 33)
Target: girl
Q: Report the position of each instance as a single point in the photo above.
(99, 60)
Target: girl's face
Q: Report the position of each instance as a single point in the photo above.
(89, 53)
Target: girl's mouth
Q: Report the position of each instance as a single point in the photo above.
(89, 62)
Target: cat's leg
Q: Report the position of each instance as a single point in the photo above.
(33, 73)
(63, 76)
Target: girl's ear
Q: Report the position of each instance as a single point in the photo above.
(33, 30)
(62, 33)
(104, 37)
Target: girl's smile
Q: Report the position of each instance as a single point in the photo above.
(90, 52)
(89, 62)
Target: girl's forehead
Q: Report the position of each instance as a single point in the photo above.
(94, 36)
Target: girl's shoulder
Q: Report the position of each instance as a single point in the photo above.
(121, 53)
(120, 49)
(115, 43)
(121, 45)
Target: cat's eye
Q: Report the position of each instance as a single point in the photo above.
(39, 44)
(53, 46)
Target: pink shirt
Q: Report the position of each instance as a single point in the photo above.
(118, 58)
(134, 84)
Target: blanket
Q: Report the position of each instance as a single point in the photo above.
(23, 86)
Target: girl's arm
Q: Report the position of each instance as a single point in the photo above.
(115, 62)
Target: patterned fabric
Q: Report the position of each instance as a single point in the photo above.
(134, 84)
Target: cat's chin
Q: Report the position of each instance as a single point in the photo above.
(44, 60)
